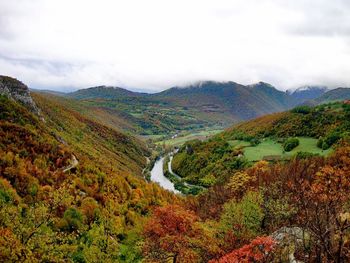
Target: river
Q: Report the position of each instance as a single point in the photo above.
(157, 175)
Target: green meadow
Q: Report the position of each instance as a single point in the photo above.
(182, 138)
(270, 147)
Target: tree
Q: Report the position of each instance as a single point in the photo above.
(325, 213)
(290, 144)
(258, 250)
(174, 233)
(243, 217)
(320, 191)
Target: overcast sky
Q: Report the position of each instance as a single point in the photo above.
(156, 44)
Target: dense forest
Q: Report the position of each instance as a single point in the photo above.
(92, 212)
(73, 189)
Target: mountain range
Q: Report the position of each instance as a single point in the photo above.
(205, 103)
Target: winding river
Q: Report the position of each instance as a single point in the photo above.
(157, 175)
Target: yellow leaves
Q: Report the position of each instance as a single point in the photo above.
(239, 181)
(10, 246)
(344, 217)
(262, 166)
(90, 209)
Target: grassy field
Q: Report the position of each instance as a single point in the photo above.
(238, 143)
(269, 147)
(181, 139)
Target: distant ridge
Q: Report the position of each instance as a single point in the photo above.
(103, 92)
(305, 93)
(241, 102)
(205, 101)
(337, 94)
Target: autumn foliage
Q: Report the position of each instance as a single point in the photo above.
(258, 250)
(176, 233)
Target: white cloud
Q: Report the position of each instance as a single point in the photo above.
(156, 44)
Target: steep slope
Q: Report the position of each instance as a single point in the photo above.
(70, 188)
(107, 116)
(300, 121)
(103, 92)
(305, 93)
(92, 139)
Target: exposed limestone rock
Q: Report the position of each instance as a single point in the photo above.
(16, 90)
(289, 240)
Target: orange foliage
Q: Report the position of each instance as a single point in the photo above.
(258, 250)
(174, 233)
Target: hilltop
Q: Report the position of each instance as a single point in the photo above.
(103, 92)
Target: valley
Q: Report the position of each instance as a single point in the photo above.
(174, 131)
(127, 177)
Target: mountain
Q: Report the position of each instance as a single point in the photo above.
(47, 91)
(236, 101)
(202, 104)
(337, 94)
(103, 92)
(305, 93)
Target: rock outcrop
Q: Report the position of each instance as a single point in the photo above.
(16, 90)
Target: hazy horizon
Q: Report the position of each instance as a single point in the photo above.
(153, 45)
(150, 91)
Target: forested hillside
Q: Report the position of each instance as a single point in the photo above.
(274, 209)
(71, 189)
(200, 105)
(103, 92)
(317, 130)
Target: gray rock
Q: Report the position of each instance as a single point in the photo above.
(16, 90)
(290, 239)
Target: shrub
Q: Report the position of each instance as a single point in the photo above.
(302, 109)
(304, 155)
(325, 146)
(332, 138)
(290, 144)
(254, 142)
(73, 219)
(320, 142)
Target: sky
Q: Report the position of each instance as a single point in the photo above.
(156, 44)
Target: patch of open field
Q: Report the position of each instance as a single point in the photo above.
(179, 140)
(269, 147)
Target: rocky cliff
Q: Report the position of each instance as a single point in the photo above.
(16, 90)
